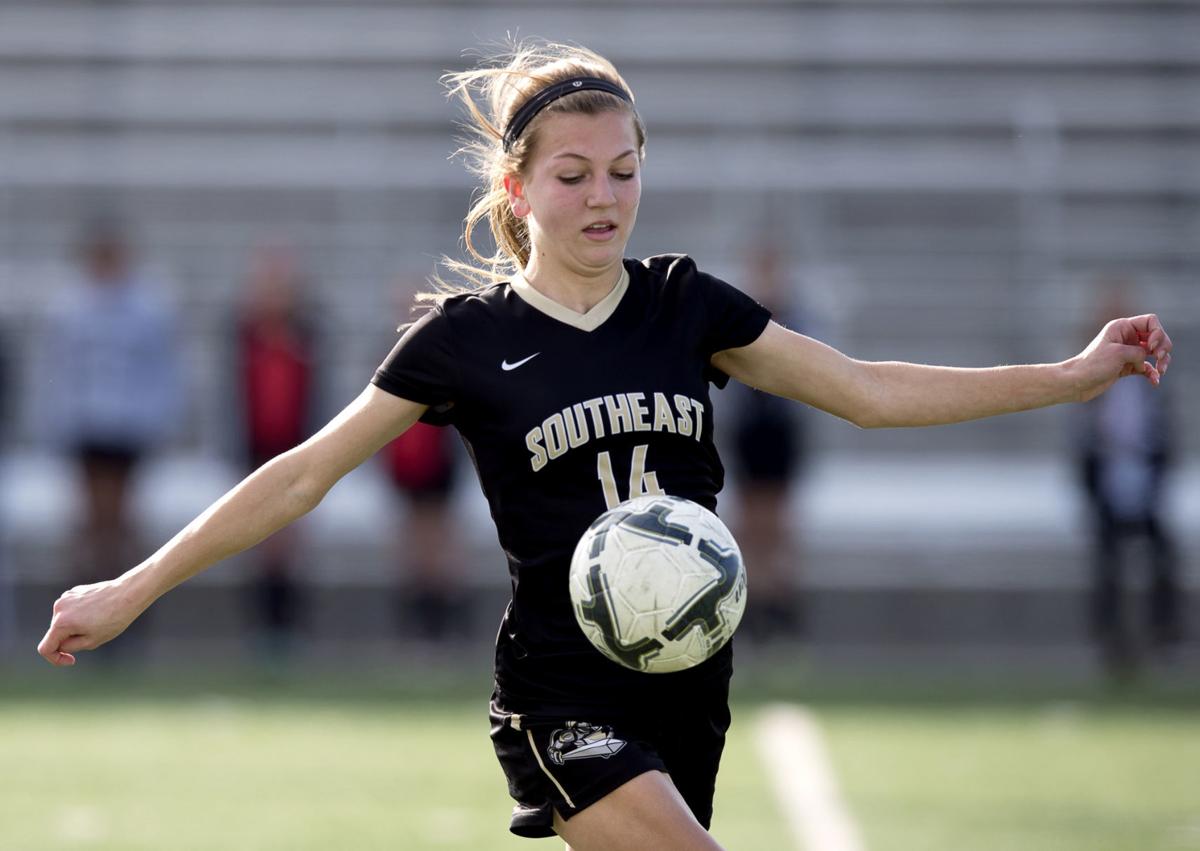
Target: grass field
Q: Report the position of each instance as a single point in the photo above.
(1050, 777)
(110, 763)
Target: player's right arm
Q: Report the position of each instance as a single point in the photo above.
(273, 496)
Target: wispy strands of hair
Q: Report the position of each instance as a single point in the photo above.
(491, 95)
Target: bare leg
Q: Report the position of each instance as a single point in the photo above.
(1108, 623)
(437, 605)
(106, 541)
(772, 562)
(1166, 622)
(105, 545)
(646, 812)
(273, 594)
(429, 540)
(766, 537)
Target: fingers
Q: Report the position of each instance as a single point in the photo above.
(1135, 363)
(49, 643)
(1132, 355)
(1142, 366)
(60, 655)
(76, 642)
(54, 645)
(1152, 337)
(60, 642)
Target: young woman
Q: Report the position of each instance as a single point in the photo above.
(578, 379)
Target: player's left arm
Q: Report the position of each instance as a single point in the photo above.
(883, 394)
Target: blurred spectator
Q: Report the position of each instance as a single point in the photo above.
(110, 392)
(1124, 446)
(768, 449)
(421, 464)
(8, 603)
(275, 378)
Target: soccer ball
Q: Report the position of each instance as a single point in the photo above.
(657, 584)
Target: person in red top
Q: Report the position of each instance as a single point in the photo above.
(275, 378)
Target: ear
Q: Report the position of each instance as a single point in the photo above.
(516, 195)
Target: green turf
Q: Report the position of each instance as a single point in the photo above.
(244, 771)
(1053, 777)
(100, 762)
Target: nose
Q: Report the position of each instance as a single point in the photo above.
(602, 194)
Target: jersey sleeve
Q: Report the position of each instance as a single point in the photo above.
(422, 367)
(731, 319)
(727, 317)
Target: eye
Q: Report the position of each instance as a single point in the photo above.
(623, 175)
(572, 179)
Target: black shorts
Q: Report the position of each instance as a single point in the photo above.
(108, 454)
(567, 764)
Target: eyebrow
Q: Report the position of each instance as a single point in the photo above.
(586, 160)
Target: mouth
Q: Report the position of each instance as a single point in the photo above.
(600, 230)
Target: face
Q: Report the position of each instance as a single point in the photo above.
(580, 192)
(106, 260)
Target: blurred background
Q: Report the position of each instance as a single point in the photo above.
(213, 214)
(965, 184)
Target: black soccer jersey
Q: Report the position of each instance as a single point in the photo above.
(565, 415)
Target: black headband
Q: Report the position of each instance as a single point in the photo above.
(548, 95)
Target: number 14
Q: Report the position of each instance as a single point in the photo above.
(642, 482)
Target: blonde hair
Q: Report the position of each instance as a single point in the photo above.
(492, 94)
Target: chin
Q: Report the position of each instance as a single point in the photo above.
(603, 255)
(600, 264)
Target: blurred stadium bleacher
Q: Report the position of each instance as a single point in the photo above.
(950, 180)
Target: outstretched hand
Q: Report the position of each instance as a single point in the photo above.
(1123, 347)
(84, 618)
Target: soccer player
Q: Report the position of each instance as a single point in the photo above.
(578, 379)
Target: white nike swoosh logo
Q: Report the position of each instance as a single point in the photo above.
(506, 366)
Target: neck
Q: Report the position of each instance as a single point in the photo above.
(577, 290)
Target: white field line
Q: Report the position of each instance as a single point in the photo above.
(792, 749)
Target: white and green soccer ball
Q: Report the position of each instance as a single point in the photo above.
(657, 584)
